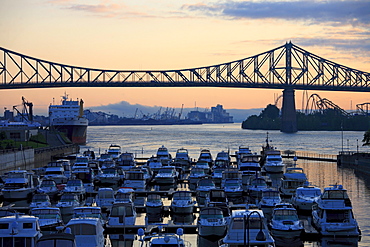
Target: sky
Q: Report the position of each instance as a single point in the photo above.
(168, 34)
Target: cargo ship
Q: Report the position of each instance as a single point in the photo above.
(69, 119)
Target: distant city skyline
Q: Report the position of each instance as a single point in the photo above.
(150, 35)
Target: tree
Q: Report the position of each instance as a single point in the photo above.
(366, 139)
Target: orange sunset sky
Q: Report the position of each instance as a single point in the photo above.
(168, 34)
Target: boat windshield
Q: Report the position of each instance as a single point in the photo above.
(337, 216)
(285, 215)
(125, 210)
(309, 192)
(238, 223)
(182, 196)
(211, 213)
(55, 242)
(74, 183)
(83, 229)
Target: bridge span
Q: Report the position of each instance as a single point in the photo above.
(287, 67)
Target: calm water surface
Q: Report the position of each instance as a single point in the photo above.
(145, 140)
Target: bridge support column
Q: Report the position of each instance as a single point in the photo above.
(288, 112)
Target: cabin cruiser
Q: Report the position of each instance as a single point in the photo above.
(182, 202)
(40, 201)
(203, 188)
(305, 197)
(19, 185)
(332, 214)
(110, 175)
(122, 214)
(68, 202)
(270, 197)
(87, 231)
(154, 204)
(166, 175)
(105, 158)
(273, 162)
(135, 179)
(160, 239)
(86, 175)
(216, 196)
(285, 222)
(206, 155)
(249, 163)
(114, 151)
(182, 159)
(49, 218)
(230, 174)
(55, 171)
(248, 228)
(105, 198)
(66, 166)
(89, 212)
(242, 151)
(126, 161)
(164, 156)
(256, 186)
(19, 231)
(202, 164)
(195, 175)
(76, 187)
(224, 156)
(217, 175)
(124, 195)
(293, 178)
(57, 239)
(233, 190)
(49, 187)
(211, 222)
(155, 164)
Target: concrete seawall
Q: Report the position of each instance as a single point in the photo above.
(33, 158)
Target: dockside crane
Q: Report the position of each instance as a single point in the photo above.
(26, 115)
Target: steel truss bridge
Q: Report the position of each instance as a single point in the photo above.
(287, 66)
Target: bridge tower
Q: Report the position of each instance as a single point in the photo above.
(288, 112)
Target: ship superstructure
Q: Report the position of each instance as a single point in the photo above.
(68, 118)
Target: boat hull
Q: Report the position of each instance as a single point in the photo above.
(212, 230)
(76, 133)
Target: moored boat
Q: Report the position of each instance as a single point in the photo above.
(182, 202)
(285, 222)
(87, 231)
(211, 222)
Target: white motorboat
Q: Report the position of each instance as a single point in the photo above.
(19, 231)
(216, 196)
(67, 203)
(195, 175)
(55, 171)
(86, 175)
(122, 214)
(182, 202)
(126, 161)
(161, 239)
(202, 190)
(273, 162)
(332, 215)
(256, 186)
(87, 231)
(154, 204)
(135, 179)
(49, 218)
(76, 187)
(293, 178)
(164, 156)
(114, 151)
(40, 201)
(250, 163)
(270, 197)
(285, 222)
(234, 190)
(166, 175)
(89, 212)
(202, 164)
(206, 155)
(19, 185)
(182, 159)
(57, 239)
(211, 222)
(217, 175)
(110, 176)
(105, 198)
(248, 228)
(155, 164)
(124, 195)
(242, 151)
(49, 187)
(305, 197)
(230, 174)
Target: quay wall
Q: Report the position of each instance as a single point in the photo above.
(33, 158)
(14, 159)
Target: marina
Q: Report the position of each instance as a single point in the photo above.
(187, 221)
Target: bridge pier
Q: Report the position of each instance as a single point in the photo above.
(288, 112)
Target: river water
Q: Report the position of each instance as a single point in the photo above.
(145, 140)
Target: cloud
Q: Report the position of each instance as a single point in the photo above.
(334, 12)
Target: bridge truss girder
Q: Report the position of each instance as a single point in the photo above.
(287, 66)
